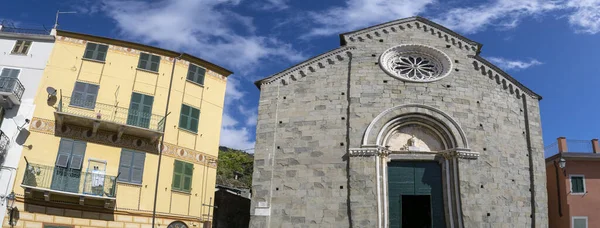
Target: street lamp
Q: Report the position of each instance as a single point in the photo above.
(562, 163)
(10, 206)
(10, 201)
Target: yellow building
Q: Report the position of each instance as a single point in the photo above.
(91, 158)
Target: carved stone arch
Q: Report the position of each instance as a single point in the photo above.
(454, 136)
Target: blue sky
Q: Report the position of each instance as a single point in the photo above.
(553, 47)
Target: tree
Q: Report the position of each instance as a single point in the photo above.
(234, 163)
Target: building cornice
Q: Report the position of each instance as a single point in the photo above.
(148, 48)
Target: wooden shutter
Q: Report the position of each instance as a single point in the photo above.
(77, 154)
(154, 63)
(196, 74)
(187, 176)
(125, 165)
(137, 167)
(183, 116)
(90, 48)
(84, 95)
(64, 152)
(101, 52)
(144, 58)
(177, 175)
(195, 115)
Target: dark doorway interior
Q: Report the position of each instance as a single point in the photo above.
(416, 211)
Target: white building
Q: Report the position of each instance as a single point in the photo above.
(23, 57)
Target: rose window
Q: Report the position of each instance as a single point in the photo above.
(415, 63)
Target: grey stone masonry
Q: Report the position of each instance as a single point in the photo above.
(313, 114)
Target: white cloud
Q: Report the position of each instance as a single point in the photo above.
(203, 27)
(237, 138)
(507, 64)
(586, 15)
(272, 5)
(502, 14)
(356, 14)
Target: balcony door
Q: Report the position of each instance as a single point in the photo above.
(67, 171)
(8, 77)
(140, 110)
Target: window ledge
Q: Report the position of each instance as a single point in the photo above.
(128, 183)
(182, 192)
(149, 71)
(578, 193)
(94, 60)
(19, 54)
(195, 83)
(188, 131)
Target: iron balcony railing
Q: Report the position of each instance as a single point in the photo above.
(25, 31)
(111, 113)
(70, 180)
(12, 85)
(4, 141)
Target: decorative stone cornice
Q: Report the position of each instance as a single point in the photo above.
(369, 151)
(411, 23)
(502, 78)
(304, 68)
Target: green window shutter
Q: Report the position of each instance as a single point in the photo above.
(143, 60)
(149, 62)
(189, 118)
(177, 175)
(95, 51)
(84, 95)
(187, 176)
(125, 165)
(196, 74)
(89, 50)
(577, 185)
(154, 63)
(137, 167)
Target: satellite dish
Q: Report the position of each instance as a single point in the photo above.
(51, 91)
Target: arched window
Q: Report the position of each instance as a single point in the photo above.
(177, 224)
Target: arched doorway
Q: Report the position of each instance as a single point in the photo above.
(417, 148)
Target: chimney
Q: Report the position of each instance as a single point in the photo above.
(562, 144)
(595, 146)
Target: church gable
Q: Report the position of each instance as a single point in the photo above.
(374, 33)
(395, 28)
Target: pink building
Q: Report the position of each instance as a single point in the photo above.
(573, 182)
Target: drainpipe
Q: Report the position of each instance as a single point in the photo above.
(162, 140)
(530, 153)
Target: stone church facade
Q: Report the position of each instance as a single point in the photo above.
(404, 125)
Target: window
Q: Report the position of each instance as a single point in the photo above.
(188, 118)
(577, 184)
(196, 74)
(21, 47)
(140, 110)
(10, 72)
(95, 51)
(149, 62)
(84, 95)
(580, 222)
(131, 166)
(182, 176)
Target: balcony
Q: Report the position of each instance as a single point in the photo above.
(11, 91)
(109, 118)
(53, 183)
(25, 31)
